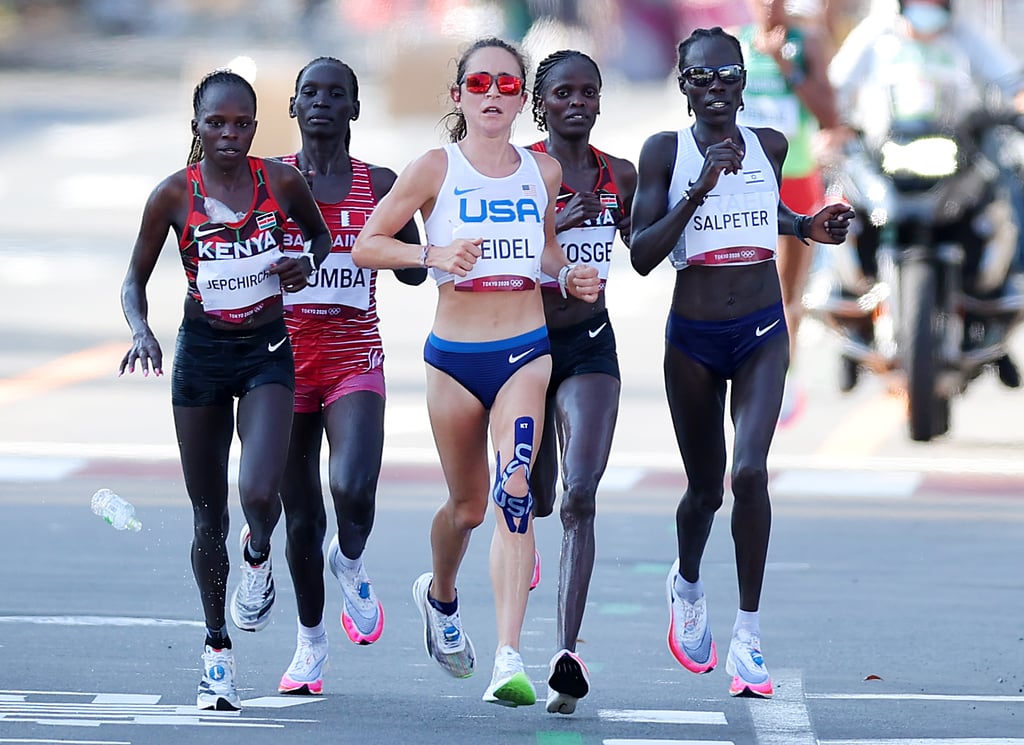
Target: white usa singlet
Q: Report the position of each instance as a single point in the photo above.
(739, 221)
(507, 212)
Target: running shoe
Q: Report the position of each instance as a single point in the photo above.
(305, 676)
(568, 682)
(217, 687)
(443, 636)
(254, 597)
(746, 666)
(362, 615)
(689, 635)
(535, 579)
(509, 684)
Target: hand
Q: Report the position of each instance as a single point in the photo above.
(770, 42)
(457, 258)
(292, 273)
(831, 224)
(722, 157)
(584, 205)
(146, 351)
(582, 282)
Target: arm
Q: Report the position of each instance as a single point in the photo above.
(852, 61)
(414, 191)
(991, 62)
(296, 199)
(382, 179)
(656, 228)
(580, 280)
(815, 91)
(158, 216)
(625, 179)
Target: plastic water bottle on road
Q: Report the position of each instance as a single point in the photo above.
(115, 510)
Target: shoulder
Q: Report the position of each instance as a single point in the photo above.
(550, 169)
(773, 142)
(659, 152)
(172, 189)
(623, 170)
(661, 141)
(280, 172)
(381, 178)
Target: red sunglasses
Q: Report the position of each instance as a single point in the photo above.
(480, 82)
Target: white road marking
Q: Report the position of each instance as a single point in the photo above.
(51, 741)
(99, 621)
(968, 698)
(784, 719)
(816, 483)
(662, 716)
(932, 741)
(618, 741)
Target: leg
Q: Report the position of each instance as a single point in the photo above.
(305, 516)
(511, 561)
(204, 439)
(355, 433)
(264, 426)
(459, 424)
(587, 407)
(756, 399)
(544, 474)
(696, 399)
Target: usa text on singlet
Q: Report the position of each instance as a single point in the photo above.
(227, 264)
(738, 222)
(507, 213)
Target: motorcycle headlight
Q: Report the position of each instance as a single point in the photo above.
(928, 157)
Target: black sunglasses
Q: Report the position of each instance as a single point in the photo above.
(702, 76)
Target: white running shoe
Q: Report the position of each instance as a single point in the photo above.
(509, 684)
(746, 666)
(217, 687)
(689, 635)
(362, 615)
(305, 676)
(443, 636)
(254, 597)
(568, 682)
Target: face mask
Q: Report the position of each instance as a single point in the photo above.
(926, 19)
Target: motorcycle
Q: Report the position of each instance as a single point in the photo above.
(925, 288)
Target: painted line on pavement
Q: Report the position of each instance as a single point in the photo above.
(970, 698)
(98, 621)
(662, 716)
(783, 720)
(618, 741)
(867, 428)
(932, 741)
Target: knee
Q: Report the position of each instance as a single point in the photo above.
(579, 503)
(356, 494)
(466, 516)
(306, 528)
(707, 500)
(749, 483)
(210, 526)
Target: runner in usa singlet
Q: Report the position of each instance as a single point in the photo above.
(227, 261)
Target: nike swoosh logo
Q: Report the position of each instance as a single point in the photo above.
(594, 332)
(459, 192)
(762, 331)
(200, 233)
(275, 347)
(514, 358)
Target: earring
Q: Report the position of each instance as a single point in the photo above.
(742, 105)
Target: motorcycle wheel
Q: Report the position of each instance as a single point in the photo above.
(920, 349)
(849, 373)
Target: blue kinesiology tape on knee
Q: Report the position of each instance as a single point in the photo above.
(516, 508)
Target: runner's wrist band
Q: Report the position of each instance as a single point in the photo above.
(563, 279)
(423, 256)
(696, 202)
(800, 222)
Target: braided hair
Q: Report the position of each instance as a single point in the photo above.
(333, 61)
(217, 77)
(455, 120)
(540, 80)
